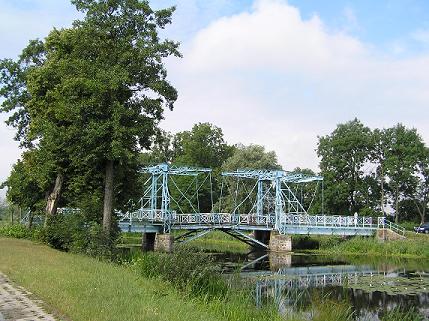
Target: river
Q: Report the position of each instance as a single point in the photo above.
(370, 286)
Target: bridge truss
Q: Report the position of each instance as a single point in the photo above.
(182, 198)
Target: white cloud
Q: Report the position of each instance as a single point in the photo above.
(421, 36)
(270, 77)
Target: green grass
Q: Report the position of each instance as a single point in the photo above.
(414, 246)
(218, 241)
(86, 289)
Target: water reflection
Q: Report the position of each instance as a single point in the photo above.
(292, 282)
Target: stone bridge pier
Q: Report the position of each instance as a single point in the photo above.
(152, 241)
(275, 241)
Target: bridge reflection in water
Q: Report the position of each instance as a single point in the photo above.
(368, 289)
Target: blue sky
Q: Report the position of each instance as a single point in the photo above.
(273, 72)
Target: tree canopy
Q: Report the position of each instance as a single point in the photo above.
(91, 96)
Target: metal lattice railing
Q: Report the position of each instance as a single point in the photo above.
(327, 220)
(384, 223)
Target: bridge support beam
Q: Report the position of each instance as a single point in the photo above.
(164, 242)
(280, 243)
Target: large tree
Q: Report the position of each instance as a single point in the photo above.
(403, 151)
(344, 154)
(421, 199)
(100, 85)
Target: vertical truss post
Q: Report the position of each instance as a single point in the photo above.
(153, 195)
(260, 201)
(165, 205)
(279, 202)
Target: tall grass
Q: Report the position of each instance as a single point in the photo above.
(413, 248)
(194, 272)
(401, 314)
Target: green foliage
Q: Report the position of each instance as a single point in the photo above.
(251, 157)
(365, 171)
(16, 230)
(91, 95)
(409, 226)
(203, 146)
(403, 150)
(343, 156)
(20, 231)
(401, 313)
(410, 247)
(186, 270)
(329, 309)
(74, 232)
(23, 188)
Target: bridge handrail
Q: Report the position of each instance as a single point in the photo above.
(252, 219)
(384, 223)
(327, 220)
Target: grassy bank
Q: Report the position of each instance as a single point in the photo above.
(414, 246)
(86, 289)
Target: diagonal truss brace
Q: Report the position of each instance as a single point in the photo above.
(245, 238)
(192, 235)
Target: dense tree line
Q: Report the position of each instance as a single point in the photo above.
(374, 172)
(85, 101)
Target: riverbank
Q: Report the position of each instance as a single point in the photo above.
(84, 288)
(413, 246)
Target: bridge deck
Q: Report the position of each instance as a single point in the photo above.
(147, 220)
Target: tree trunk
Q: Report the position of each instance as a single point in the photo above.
(382, 191)
(108, 198)
(397, 204)
(54, 197)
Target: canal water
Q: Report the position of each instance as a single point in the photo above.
(370, 286)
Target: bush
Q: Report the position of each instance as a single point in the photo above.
(409, 226)
(304, 242)
(72, 232)
(14, 230)
(186, 270)
(20, 231)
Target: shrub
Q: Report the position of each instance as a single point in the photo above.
(186, 270)
(73, 232)
(20, 231)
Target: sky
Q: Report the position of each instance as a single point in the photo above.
(272, 72)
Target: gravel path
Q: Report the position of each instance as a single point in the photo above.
(16, 305)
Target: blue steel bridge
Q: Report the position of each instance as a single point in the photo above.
(262, 201)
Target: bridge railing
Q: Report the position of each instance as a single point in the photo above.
(386, 224)
(143, 214)
(225, 219)
(327, 220)
(252, 219)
